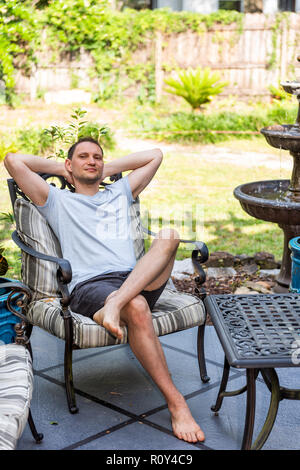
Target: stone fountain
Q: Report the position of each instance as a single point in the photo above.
(278, 201)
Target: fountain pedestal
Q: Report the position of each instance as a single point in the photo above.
(295, 178)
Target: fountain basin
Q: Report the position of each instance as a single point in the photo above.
(286, 137)
(270, 201)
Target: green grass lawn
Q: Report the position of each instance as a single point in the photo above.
(205, 189)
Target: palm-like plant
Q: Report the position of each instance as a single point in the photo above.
(196, 86)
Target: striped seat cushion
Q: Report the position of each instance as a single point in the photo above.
(35, 232)
(16, 385)
(174, 311)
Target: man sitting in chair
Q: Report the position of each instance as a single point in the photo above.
(92, 226)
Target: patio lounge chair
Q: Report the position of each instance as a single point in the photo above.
(16, 377)
(48, 274)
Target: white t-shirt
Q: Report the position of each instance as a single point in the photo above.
(93, 231)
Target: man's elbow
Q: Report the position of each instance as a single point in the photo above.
(158, 155)
(7, 160)
(10, 162)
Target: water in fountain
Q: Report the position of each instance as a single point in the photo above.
(280, 195)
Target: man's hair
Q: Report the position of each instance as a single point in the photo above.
(83, 139)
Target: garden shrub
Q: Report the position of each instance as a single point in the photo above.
(196, 86)
(213, 127)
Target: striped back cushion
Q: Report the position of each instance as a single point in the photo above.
(34, 231)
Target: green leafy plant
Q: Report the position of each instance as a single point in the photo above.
(211, 127)
(63, 137)
(196, 86)
(33, 140)
(7, 217)
(106, 91)
(18, 35)
(278, 93)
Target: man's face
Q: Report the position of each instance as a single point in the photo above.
(87, 164)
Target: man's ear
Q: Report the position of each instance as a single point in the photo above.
(68, 165)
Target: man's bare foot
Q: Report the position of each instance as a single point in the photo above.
(109, 317)
(183, 424)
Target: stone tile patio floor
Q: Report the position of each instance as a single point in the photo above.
(121, 409)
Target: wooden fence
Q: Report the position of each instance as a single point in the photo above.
(260, 53)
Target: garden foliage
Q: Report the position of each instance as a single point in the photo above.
(196, 86)
(18, 39)
(62, 137)
(56, 139)
(215, 126)
(110, 36)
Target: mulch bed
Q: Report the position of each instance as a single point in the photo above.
(226, 285)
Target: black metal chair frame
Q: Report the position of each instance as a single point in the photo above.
(21, 295)
(64, 275)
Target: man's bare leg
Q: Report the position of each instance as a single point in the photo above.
(150, 272)
(147, 349)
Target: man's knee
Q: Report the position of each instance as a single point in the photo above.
(137, 312)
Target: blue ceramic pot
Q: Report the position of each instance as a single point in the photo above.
(294, 245)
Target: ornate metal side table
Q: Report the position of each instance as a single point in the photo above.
(258, 333)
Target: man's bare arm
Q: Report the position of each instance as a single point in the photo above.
(143, 164)
(24, 169)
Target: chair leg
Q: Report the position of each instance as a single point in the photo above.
(201, 354)
(69, 379)
(68, 361)
(36, 435)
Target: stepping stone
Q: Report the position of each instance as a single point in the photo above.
(269, 272)
(257, 286)
(244, 290)
(220, 272)
(183, 269)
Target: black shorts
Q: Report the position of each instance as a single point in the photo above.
(89, 296)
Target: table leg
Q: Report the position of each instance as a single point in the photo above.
(250, 410)
(271, 379)
(222, 391)
(223, 385)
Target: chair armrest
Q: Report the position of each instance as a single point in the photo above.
(65, 270)
(200, 249)
(199, 255)
(23, 290)
(24, 328)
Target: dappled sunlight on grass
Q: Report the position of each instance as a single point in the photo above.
(185, 183)
(243, 235)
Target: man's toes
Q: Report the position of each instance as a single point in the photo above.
(193, 437)
(114, 330)
(118, 333)
(200, 436)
